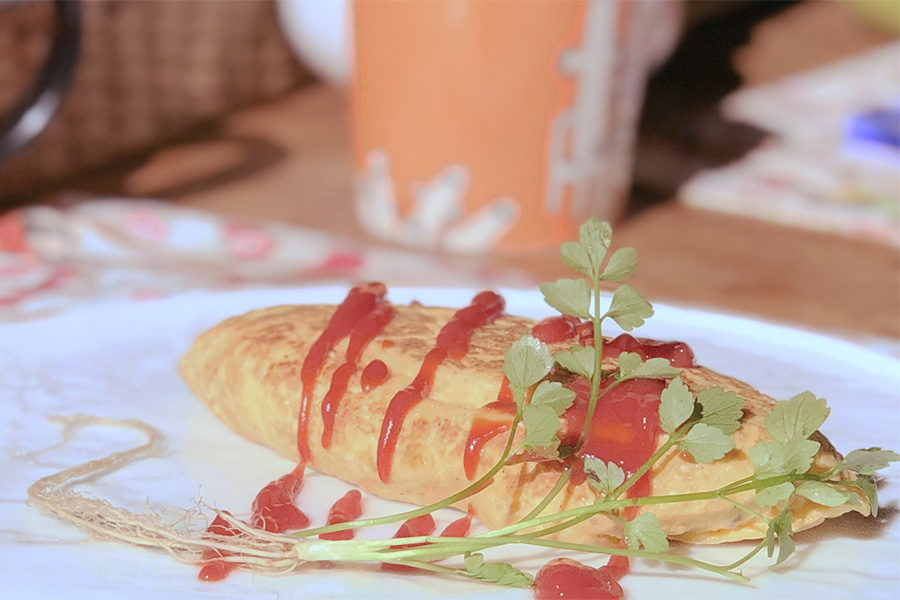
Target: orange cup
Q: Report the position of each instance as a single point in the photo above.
(497, 126)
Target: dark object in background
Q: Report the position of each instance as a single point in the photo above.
(33, 111)
(681, 130)
(147, 72)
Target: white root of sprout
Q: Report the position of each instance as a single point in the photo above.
(253, 548)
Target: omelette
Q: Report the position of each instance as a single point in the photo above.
(410, 403)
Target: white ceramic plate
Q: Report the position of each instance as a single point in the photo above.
(119, 360)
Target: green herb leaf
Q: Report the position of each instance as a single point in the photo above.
(867, 485)
(575, 256)
(569, 296)
(554, 395)
(496, 572)
(676, 405)
(578, 359)
(628, 308)
(866, 461)
(628, 362)
(771, 496)
(541, 425)
(706, 444)
(798, 417)
(621, 265)
(603, 477)
(595, 236)
(772, 459)
(654, 368)
(721, 409)
(822, 493)
(526, 362)
(780, 527)
(645, 530)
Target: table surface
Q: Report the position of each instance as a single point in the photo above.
(289, 160)
(293, 164)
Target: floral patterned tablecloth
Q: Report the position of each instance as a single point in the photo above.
(53, 258)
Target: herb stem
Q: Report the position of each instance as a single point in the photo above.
(516, 539)
(470, 490)
(672, 558)
(746, 509)
(428, 566)
(673, 439)
(748, 556)
(597, 374)
(609, 505)
(554, 491)
(560, 526)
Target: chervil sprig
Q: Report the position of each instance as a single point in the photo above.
(581, 298)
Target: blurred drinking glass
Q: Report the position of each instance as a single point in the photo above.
(498, 126)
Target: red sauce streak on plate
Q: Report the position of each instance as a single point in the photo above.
(414, 527)
(273, 510)
(452, 342)
(567, 579)
(359, 302)
(619, 565)
(458, 528)
(273, 507)
(361, 335)
(486, 426)
(214, 569)
(375, 373)
(347, 508)
(553, 330)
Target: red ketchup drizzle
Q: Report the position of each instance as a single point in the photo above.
(458, 528)
(375, 373)
(414, 527)
(361, 335)
(452, 342)
(273, 507)
(217, 570)
(273, 510)
(553, 330)
(624, 430)
(678, 353)
(347, 508)
(565, 578)
(486, 426)
(619, 565)
(359, 302)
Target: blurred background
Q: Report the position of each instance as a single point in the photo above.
(749, 150)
